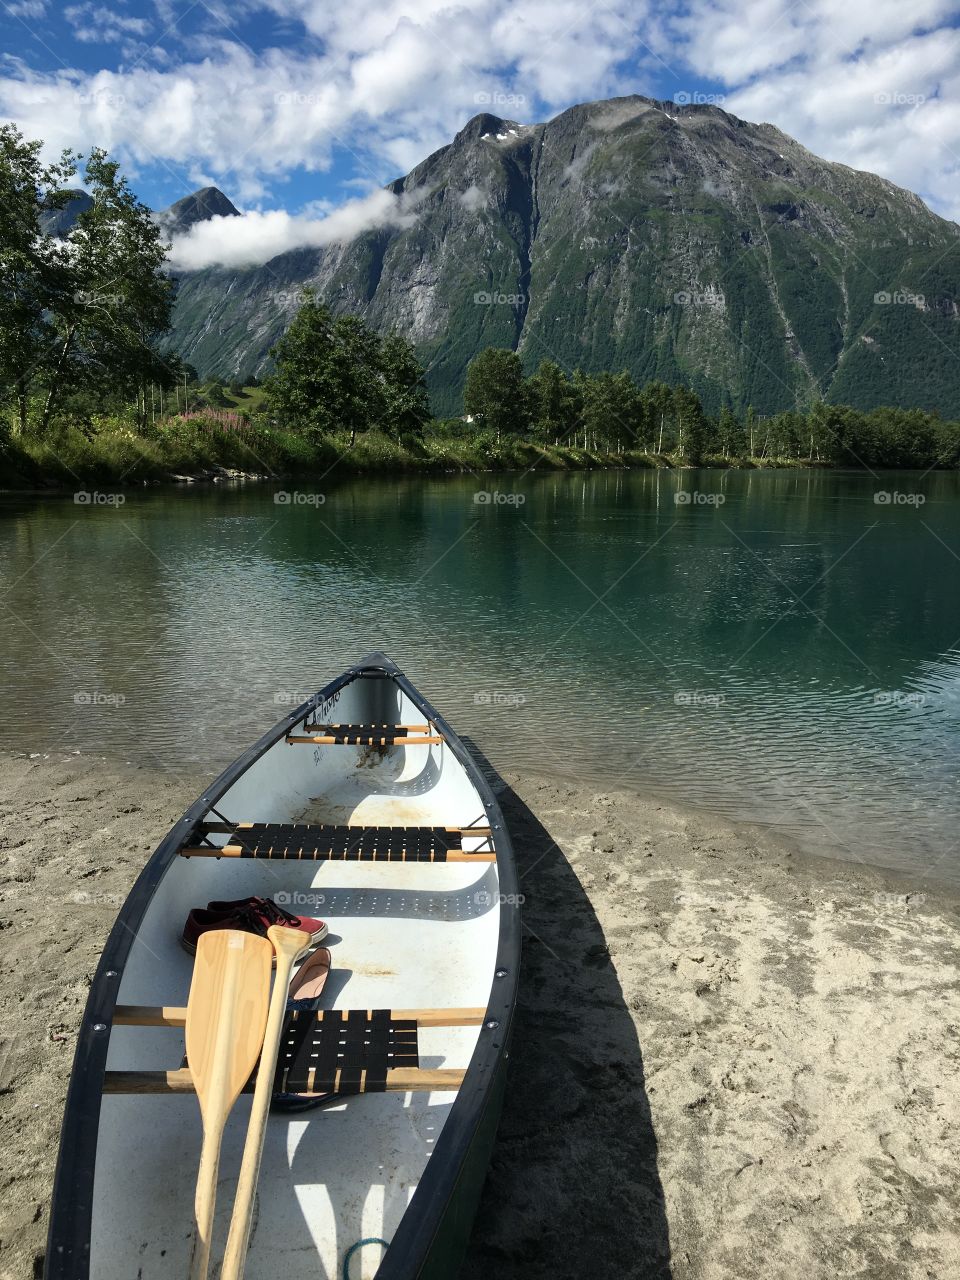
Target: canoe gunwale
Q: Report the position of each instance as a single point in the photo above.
(68, 1240)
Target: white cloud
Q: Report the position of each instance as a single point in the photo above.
(26, 9)
(256, 237)
(96, 24)
(390, 81)
(473, 198)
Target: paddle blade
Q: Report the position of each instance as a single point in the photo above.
(226, 1015)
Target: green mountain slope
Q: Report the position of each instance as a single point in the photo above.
(677, 242)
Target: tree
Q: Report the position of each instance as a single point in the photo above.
(552, 402)
(356, 371)
(657, 401)
(730, 434)
(334, 374)
(494, 392)
(119, 301)
(406, 401)
(302, 389)
(612, 410)
(691, 426)
(32, 267)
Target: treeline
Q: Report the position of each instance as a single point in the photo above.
(609, 412)
(82, 373)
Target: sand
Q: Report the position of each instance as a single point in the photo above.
(729, 1060)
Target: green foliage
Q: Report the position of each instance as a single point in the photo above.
(339, 375)
(81, 314)
(495, 394)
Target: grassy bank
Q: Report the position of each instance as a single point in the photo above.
(121, 456)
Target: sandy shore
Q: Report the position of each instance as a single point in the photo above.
(728, 1060)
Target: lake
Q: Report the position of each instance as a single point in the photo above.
(777, 647)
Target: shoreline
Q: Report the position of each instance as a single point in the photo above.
(724, 1048)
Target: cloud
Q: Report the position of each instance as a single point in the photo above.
(390, 80)
(95, 24)
(473, 198)
(26, 9)
(256, 237)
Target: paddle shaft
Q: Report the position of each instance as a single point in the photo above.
(226, 1016)
(288, 944)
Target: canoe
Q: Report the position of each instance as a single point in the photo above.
(361, 807)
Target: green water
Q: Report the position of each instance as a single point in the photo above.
(788, 655)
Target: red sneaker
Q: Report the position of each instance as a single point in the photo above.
(251, 915)
(271, 913)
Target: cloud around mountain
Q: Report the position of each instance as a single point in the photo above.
(252, 238)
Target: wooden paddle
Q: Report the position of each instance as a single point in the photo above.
(288, 944)
(226, 1016)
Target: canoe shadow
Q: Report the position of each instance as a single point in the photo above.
(573, 1188)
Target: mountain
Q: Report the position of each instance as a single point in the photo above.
(60, 222)
(208, 202)
(678, 242)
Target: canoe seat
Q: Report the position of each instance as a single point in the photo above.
(350, 1051)
(366, 735)
(321, 1051)
(317, 842)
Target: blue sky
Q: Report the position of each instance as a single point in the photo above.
(309, 106)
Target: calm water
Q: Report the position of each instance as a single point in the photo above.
(788, 656)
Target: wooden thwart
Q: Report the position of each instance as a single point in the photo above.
(143, 1015)
(400, 1080)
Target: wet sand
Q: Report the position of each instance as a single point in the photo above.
(728, 1059)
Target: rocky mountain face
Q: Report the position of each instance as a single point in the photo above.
(60, 222)
(676, 242)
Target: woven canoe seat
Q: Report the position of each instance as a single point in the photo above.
(366, 735)
(317, 842)
(343, 1051)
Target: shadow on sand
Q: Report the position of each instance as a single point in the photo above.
(573, 1187)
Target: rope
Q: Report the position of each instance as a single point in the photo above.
(359, 1245)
